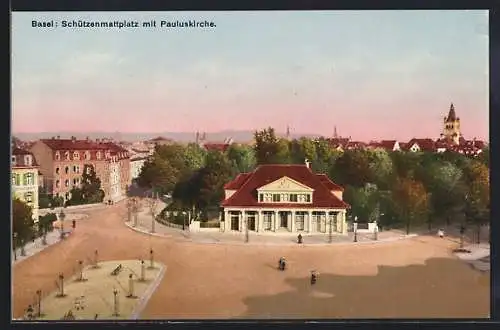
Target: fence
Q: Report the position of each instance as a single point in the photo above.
(167, 223)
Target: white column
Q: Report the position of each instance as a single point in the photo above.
(261, 221)
(257, 221)
(344, 223)
(309, 221)
(227, 221)
(240, 220)
(292, 226)
(275, 221)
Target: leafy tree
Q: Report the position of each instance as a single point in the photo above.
(45, 223)
(194, 156)
(405, 164)
(22, 222)
(269, 149)
(478, 196)
(411, 200)
(484, 156)
(352, 168)
(364, 202)
(381, 167)
(89, 191)
(242, 158)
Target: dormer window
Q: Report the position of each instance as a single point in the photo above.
(66, 155)
(27, 160)
(76, 155)
(98, 155)
(13, 160)
(87, 155)
(58, 155)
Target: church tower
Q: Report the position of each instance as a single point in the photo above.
(451, 126)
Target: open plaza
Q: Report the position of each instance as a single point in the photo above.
(409, 277)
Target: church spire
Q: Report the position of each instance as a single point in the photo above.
(335, 135)
(452, 116)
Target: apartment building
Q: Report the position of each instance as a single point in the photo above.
(25, 178)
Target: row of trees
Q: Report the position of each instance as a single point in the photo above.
(401, 189)
(23, 226)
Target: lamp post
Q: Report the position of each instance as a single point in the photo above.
(115, 303)
(247, 235)
(184, 222)
(330, 231)
(61, 286)
(355, 229)
(151, 259)
(62, 216)
(14, 244)
(39, 302)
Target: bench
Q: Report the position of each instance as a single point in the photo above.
(117, 270)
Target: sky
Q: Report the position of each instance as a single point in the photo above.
(371, 74)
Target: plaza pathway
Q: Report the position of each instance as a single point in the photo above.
(410, 278)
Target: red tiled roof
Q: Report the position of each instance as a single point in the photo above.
(20, 161)
(424, 144)
(338, 142)
(246, 195)
(216, 146)
(388, 144)
(237, 182)
(69, 144)
(20, 152)
(325, 180)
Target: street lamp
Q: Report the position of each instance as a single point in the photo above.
(184, 222)
(115, 303)
(14, 244)
(62, 216)
(247, 236)
(355, 229)
(39, 301)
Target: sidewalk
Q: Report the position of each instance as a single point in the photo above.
(479, 256)
(144, 222)
(32, 248)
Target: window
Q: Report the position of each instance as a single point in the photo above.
(267, 221)
(76, 155)
(98, 155)
(261, 197)
(308, 198)
(58, 155)
(276, 197)
(58, 183)
(27, 160)
(13, 159)
(75, 182)
(28, 197)
(66, 169)
(299, 221)
(67, 196)
(66, 155)
(76, 169)
(57, 170)
(14, 183)
(66, 183)
(28, 179)
(87, 155)
(293, 198)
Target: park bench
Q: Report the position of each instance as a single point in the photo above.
(117, 270)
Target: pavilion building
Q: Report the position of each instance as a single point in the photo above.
(284, 199)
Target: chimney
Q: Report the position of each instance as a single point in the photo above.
(58, 137)
(53, 138)
(87, 138)
(308, 163)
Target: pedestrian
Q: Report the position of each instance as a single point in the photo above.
(299, 239)
(314, 277)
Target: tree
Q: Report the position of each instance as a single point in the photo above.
(405, 164)
(90, 189)
(477, 206)
(242, 158)
(484, 156)
(411, 200)
(352, 168)
(444, 182)
(269, 149)
(364, 202)
(45, 223)
(381, 167)
(22, 223)
(194, 156)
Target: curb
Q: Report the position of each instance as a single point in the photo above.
(142, 231)
(147, 295)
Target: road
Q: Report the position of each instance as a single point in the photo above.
(413, 278)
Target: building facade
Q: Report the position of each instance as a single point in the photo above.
(25, 178)
(62, 162)
(136, 164)
(284, 198)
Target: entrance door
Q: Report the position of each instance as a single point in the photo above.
(235, 223)
(251, 223)
(284, 220)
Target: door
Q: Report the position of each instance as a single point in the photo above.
(284, 220)
(235, 223)
(251, 223)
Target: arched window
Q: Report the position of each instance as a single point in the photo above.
(58, 183)
(66, 155)
(57, 170)
(58, 155)
(87, 155)
(66, 169)
(76, 155)
(98, 155)
(66, 183)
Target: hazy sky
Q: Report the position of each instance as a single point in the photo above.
(373, 74)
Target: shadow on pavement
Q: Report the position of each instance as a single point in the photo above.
(442, 288)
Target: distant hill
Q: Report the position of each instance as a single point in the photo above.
(238, 136)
